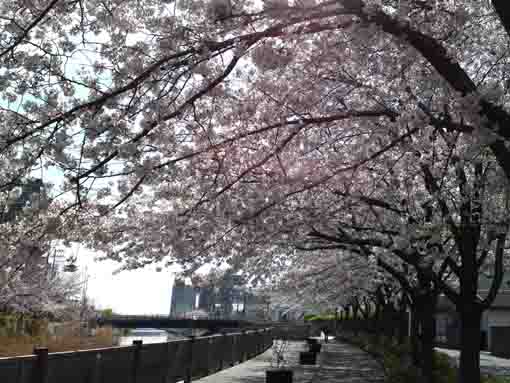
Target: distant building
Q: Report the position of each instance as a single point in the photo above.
(227, 298)
(183, 299)
(206, 299)
(498, 315)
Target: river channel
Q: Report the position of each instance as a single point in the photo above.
(147, 335)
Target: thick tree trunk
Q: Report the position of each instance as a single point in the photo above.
(469, 370)
(374, 326)
(470, 312)
(428, 336)
(388, 326)
(394, 319)
(402, 324)
(355, 320)
(415, 335)
(378, 322)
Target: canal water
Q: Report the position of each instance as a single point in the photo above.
(147, 335)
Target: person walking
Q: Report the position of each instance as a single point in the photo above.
(325, 331)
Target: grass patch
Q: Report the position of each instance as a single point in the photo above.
(69, 340)
(320, 317)
(496, 379)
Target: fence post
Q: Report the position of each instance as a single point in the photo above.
(251, 340)
(244, 339)
(232, 344)
(136, 359)
(189, 372)
(166, 363)
(224, 347)
(41, 370)
(96, 373)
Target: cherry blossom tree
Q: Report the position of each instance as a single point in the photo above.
(27, 282)
(417, 290)
(217, 131)
(132, 117)
(327, 280)
(252, 145)
(447, 218)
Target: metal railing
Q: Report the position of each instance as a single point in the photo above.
(140, 363)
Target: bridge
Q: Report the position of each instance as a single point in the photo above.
(161, 321)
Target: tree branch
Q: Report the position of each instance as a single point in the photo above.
(399, 276)
(502, 8)
(498, 272)
(27, 30)
(371, 201)
(433, 189)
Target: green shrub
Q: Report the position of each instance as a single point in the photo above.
(398, 372)
(107, 313)
(397, 362)
(312, 317)
(444, 372)
(496, 379)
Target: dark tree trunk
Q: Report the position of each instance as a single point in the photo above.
(386, 322)
(355, 319)
(415, 335)
(470, 312)
(427, 320)
(470, 337)
(402, 323)
(377, 321)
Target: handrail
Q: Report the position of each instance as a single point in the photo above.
(155, 362)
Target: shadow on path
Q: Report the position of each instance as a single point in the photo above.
(344, 363)
(337, 363)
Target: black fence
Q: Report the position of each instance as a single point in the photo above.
(140, 363)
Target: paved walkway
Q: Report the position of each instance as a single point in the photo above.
(343, 363)
(338, 362)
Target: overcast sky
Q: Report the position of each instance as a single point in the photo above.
(144, 291)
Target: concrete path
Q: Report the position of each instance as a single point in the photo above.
(338, 362)
(343, 363)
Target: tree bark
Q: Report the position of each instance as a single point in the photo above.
(389, 324)
(427, 320)
(469, 369)
(355, 319)
(402, 322)
(415, 335)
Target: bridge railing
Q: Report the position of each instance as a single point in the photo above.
(140, 363)
(170, 317)
(168, 322)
